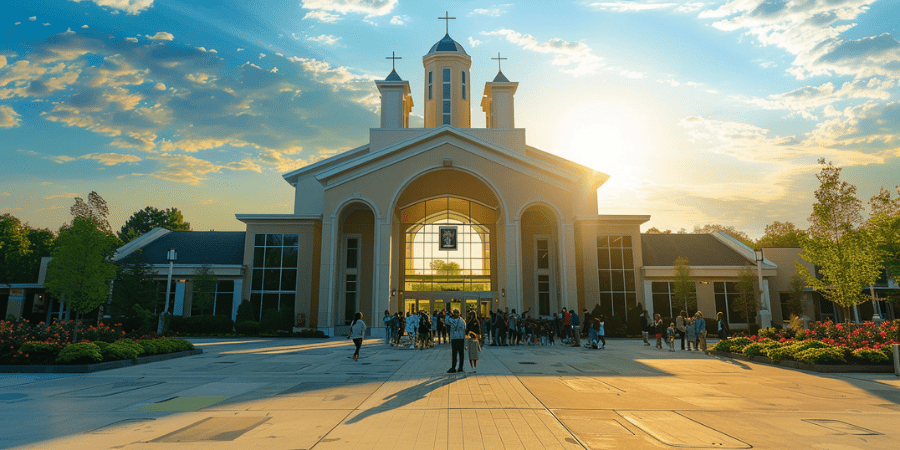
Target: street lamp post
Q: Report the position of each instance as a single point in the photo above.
(876, 317)
(765, 316)
(171, 256)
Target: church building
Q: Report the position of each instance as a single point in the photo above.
(454, 216)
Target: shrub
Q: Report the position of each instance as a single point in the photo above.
(791, 350)
(102, 332)
(180, 345)
(201, 325)
(269, 322)
(39, 352)
(871, 355)
(151, 347)
(80, 353)
(245, 312)
(311, 333)
(247, 328)
(119, 350)
(821, 355)
(759, 348)
(733, 345)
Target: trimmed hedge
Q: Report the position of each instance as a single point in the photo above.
(201, 324)
(248, 327)
(80, 353)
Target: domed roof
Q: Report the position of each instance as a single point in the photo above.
(447, 44)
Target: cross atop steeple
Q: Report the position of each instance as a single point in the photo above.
(394, 58)
(498, 58)
(447, 19)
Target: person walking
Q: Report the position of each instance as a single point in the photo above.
(670, 336)
(587, 322)
(576, 330)
(412, 328)
(658, 329)
(424, 330)
(646, 324)
(387, 327)
(457, 329)
(601, 331)
(357, 331)
(474, 348)
(594, 333)
(691, 333)
(700, 325)
(679, 326)
(722, 326)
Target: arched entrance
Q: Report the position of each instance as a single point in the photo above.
(356, 245)
(540, 261)
(447, 241)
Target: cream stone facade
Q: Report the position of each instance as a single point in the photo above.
(449, 216)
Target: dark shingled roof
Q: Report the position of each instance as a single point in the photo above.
(447, 44)
(699, 249)
(197, 247)
(393, 76)
(500, 78)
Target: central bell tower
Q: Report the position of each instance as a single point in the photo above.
(447, 85)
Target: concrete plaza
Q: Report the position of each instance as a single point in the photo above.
(306, 394)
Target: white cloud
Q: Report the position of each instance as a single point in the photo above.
(633, 74)
(240, 49)
(129, 6)
(131, 39)
(576, 57)
(399, 20)
(324, 39)
(71, 195)
(690, 7)
(322, 16)
(367, 7)
(807, 98)
(623, 6)
(47, 24)
(494, 11)
(84, 26)
(262, 55)
(9, 118)
(111, 159)
(474, 42)
(810, 30)
(4, 194)
(32, 18)
(161, 36)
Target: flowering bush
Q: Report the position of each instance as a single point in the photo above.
(80, 353)
(824, 342)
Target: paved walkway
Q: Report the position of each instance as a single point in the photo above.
(302, 394)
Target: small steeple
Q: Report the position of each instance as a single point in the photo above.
(396, 101)
(498, 101)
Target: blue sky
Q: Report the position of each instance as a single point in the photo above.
(701, 111)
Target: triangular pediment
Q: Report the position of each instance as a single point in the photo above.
(527, 160)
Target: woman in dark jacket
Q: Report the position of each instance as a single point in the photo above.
(472, 324)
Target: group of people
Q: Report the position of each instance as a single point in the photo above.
(691, 330)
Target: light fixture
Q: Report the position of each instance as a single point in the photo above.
(393, 292)
(503, 292)
(759, 255)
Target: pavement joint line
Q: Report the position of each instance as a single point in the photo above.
(576, 438)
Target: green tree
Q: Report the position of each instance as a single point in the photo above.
(848, 259)
(780, 234)
(798, 283)
(134, 294)
(21, 250)
(81, 268)
(882, 205)
(204, 291)
(884, 225)
(746, 288)
(13, 250)
(685, 289)
(149, 218)
(444, 268)
(95, 208)
(730, 230)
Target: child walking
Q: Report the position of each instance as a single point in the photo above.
(670, 336)
(474, 349)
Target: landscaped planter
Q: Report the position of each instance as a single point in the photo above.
(87, 368)
(821, 368)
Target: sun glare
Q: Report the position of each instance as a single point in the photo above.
(602, 136)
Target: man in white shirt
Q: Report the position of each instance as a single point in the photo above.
(457, 329)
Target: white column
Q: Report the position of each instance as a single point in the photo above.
(326, 275)
(648, 299)
(568, 265)
(236, 297)
(382, 292)
(179, 299)
(513, 267)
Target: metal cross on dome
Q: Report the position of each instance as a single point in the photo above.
(447, 19)
(393, 59)
(498, 58)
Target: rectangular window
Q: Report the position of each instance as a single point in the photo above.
(544, 294)
(447, 95)
(446, 75)
(615, 264)
(726, 293)
(464, 85)
(273, 276)
(430, 82)
(543, 254)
